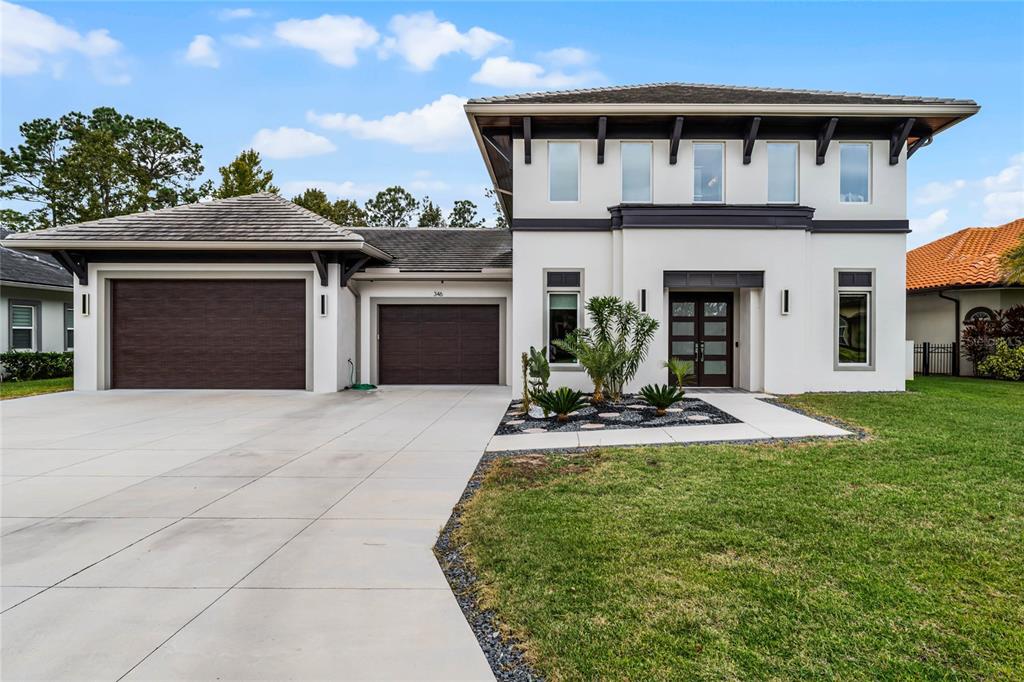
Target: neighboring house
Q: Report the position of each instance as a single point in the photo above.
(764, 229)
(35, 302)
(956, 279)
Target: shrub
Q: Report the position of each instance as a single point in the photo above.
(24, 366)
(680, 369)
(978, 340)
(1005, 362)
(660, 397)
(561, 402)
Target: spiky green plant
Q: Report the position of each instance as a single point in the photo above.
(561, 402)
(660, 397)
(682, 370)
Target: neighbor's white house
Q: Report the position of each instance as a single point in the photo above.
(764, 229)
(35, 303)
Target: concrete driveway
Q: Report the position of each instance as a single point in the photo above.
(236, 535)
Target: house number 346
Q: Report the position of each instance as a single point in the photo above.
(438, 293)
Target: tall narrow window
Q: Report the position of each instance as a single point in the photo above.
(708, 172)
(562, 293)
(636, 172)
(563, 171)
(69, 327)
(23, 327)
(855, 172)
(782, 172)
(854, 333)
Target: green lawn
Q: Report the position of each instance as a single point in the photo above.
(898, 557)
(22, 389)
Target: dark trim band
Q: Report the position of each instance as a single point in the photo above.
(702, 279)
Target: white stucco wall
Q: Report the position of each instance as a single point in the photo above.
(323, 333)
(784, 353)
(423, 289)
(49, 327)
(601, 185)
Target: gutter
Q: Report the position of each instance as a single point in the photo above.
(33, 285)
(726, 109)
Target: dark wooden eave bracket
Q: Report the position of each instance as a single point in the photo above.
(898, 139)
(824, 139)
(75, 265)
(917, 144)
(673, 146)
(527, 139)
(497, 148)
(748, 139)
(349, 268)
(602, 133)
(321, 267)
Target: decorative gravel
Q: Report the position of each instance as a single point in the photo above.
(629, 413)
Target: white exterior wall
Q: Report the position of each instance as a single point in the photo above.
(418, 290)
(777, 353)
(601, 185)
(323, 333)
(49, 327)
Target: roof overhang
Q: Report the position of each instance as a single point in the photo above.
(85, 245)
(33, 285)
(513, 109)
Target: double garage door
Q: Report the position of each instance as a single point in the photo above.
(242, 334)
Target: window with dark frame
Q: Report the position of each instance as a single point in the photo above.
(562, 293)
(854, 318)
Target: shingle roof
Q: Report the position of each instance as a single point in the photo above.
(443, 249)
(27, 268)
(254, 217)
(697, 93)
(969, 257)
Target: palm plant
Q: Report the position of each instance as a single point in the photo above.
(598, 359)
(660, 397)
(682, 370)
(561, 402)
(1011, 263)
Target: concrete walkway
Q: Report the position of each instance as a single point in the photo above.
(760, 421)
(236, 535)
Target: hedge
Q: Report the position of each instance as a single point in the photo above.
(24, 366)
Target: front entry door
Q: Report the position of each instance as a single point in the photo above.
(701, 332)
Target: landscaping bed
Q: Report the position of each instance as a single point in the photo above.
(629, 413)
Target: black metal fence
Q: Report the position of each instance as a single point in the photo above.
(937, 358)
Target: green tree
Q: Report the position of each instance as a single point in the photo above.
(430, 214)
(348, 214)
(245, 175)
(499, 214)
(82, 167)
(391, 207)
(464, 215)
(344, 212)
(1012, 263)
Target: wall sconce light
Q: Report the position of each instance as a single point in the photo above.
(785, 301)
(643, 300)
(323, 305)
(85, 305)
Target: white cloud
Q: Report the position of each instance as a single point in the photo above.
(290, 143)
(202, 51)
(437, 126)
(424, 181)
(923, 228)
(937, 192)
(242, 41)
(236, 13)
(502, 72)
(334, 190)
(336, 38)
(421, 39)
(30, 40)
(567, 56)
(1004, 192)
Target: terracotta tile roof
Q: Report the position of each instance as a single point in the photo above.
(969, 257)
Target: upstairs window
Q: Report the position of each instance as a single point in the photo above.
(562, 293)
(782, 172)
(636, 172)
(23, 326)
(854, 319)
(563, 171)
(708, 172)
(855, 172)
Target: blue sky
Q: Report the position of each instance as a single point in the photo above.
(356, 96)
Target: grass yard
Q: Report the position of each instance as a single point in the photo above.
(23, 389)
(899, 557)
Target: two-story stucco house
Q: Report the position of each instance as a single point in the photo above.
(764, 229)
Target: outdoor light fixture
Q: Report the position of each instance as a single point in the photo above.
(785, 301)
(643, 300)
(323, 305)
(85, 305)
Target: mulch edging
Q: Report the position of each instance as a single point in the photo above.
(857, 431)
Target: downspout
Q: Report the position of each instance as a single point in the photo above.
(956, 332)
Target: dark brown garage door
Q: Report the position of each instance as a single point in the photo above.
(438, 344)
(208, 333)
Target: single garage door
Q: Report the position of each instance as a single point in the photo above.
(438, 344)
(194, 333)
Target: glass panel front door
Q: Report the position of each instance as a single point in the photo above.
(701, 333)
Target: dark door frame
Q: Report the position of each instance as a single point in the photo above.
(698, 357)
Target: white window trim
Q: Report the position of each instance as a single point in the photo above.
(34, 328)
(870, 291)
(693, 153)
(579, 171)
(871, 172)
(69, 307)
(622, 172)
(574, 365)
(796, 173)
